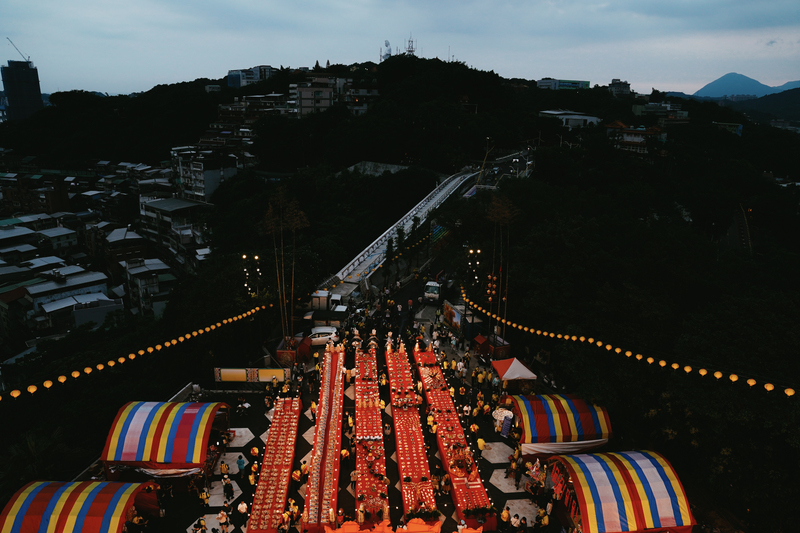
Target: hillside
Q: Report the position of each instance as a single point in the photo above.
(784, 105)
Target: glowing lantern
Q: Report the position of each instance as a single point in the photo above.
(100, 366)
(62, 379)
(591, 340)
(141, 352)
(167, 344)
(32, 388)
(789, 392)
(158, 347)
(559, 335)
(111, 363)
(751, 382)
(639, 356)
(180, 339)
(131, 356)
(75, 374)
(618, 350)
(194, 334)
(150, 349)
(599, 343)
(582, 338)
(545, 333)
(702, 371)
(226, 320)
(514, 325)
(687, 369)
(88, 370)
(608, 347)
(538, 332)
(174, 342)
(121, 360)
(574, 338)
(650, 360)
(662, 363)
(526, 329)
(628, 353)
(769, 386)
(675, 366)
(552, 334)
(717, 374)
(207, 330)
(47, 384)
(15, 393)
(520, 327)
(213, 326)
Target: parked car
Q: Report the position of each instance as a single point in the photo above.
(322, 334)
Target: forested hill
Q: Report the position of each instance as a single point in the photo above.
(429, 113)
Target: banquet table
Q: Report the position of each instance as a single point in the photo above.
(371, 491)
(269, 499)
(412, 460)
(322, 489)
(468, 490)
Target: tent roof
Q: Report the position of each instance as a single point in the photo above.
(161, 434)
(560, 418)
(83, 506)
(628, 491)
(512, 369)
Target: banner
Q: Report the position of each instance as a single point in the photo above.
(452, 317)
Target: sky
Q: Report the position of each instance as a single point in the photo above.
(678, 45)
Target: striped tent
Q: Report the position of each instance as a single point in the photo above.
(621, 492)
(161, 435)
(560, 423)
(77, 507)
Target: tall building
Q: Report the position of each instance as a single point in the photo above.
(21, 84)
(558, 85)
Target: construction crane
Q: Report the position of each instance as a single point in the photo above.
(28, 59)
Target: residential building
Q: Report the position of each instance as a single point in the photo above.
(148, 284)
(635, 138)
(57, 239)
(34, 193)
(732, 127)
(172, 225)
(243, 77)
(198, 171)
(571, 119)
(63, 283)
(22, 91)
(77, 310)
(618, 87)
(559, 85)
(316, 94)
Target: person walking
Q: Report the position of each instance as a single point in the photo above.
(222, 519)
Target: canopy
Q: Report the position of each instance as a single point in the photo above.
(161, 435)
(629, 491)
(512, 369)
(560, 423)
(79, 507)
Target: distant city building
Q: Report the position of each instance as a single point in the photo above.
(732, 127)
(316, 94)
(22, 91)
(558, 85)
(571, 119)
(243, 77)
(634, 138)
(199, 170)
(619, 88)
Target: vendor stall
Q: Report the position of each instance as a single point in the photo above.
(620, 492)
(165, 439)
(78, 507)
(559, 423)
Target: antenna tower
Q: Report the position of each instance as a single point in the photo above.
(410, 47)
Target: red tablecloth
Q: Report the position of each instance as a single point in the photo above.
(322, 489)
(412, 461)
(371, 490)
(269, 500)
(468, 490)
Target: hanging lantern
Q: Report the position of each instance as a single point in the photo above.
(662, 363)
(751, 382)
(62, 379)
(121, 360)
(226, 320)
(591, 340)
(150, 349)
(650, 360)
(702, 371)
(207, 329)
(174, 342)
(687, 369)
(180, 339)
(158, 347)
(526, 329)
(212, 326)
(639, 356)
(538, 332)
(559, 336)
(628, 353)
(552, 334)
(32, 388)
(131, 356)
(141, 352)
(717, 374)
(88, 370)
(545, 333)
(618, 350)
(75, 374)
(194, 334)
(608, 347)
(769, 386)
(574, 338)
(167, 344)
(599, 343)
(100, 366)
(581, 338)
(111, 363)
(675, 366)
(15, 393)
(789, 392)
(47, 384)
(520, 327)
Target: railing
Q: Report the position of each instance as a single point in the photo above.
(378, 247)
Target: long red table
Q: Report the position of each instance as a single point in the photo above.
(269, 500)
(468, 490)
(322, 489)
(371, 491)
(412, 461)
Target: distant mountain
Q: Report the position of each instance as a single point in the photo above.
(784, 105)
(733, 83)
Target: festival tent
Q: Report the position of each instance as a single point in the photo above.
(621, 492)
(559, 423)
(76, 507)
(164, 439)
(508, 369)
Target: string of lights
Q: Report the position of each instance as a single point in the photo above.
(687, 369)
(47, 384)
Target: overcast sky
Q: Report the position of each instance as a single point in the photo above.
(119, 46)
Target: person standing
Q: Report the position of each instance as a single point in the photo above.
(222, 519)
(240, 464)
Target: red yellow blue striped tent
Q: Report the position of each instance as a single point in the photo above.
(77, 507)
(161, 435)
(560, 423)
(622, 492)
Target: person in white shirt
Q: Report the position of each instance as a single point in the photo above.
(462, 526)
(515, 521)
